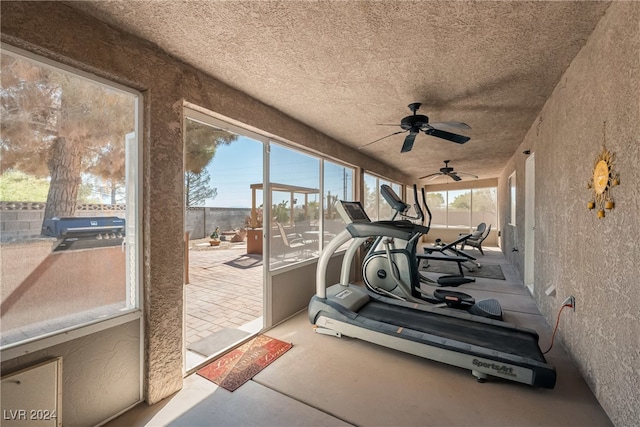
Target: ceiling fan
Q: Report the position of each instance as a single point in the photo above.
(417, 122)
(447, 171)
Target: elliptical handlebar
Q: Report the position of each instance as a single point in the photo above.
(424, 202)
(416, 204)
(399, 206)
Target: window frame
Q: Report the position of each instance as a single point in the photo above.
(211, 118)
(274, 266)
(446, 205)
(83, 329)
(474, 223)
(401, 192)
(468, 214)
(276, 269)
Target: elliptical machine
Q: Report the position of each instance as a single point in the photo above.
(390, 267)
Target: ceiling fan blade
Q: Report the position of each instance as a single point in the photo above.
(380, 139)
(408, 142)
(468, 174)
(432, 175)
(435, 177)
(454, 176)
(458, 125)
(458, 139)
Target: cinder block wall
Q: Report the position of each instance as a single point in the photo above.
(200, 222)
(20, 223)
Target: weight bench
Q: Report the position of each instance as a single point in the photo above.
(441, 247)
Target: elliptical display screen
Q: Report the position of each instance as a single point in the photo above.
(355, 211)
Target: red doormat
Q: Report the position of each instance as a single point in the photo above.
(240, 365)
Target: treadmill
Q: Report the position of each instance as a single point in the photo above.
(489, 348)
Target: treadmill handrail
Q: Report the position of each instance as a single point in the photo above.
(323, 262)
(347, 260)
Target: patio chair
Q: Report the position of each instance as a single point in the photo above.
(479, 230)
(293, 242)
(476, 234)
(477, 242)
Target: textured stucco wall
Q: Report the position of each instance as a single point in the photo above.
(61, 33)
(596, 260)
(100, 373)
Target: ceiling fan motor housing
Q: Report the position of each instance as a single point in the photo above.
(417, 123)
(414, 122)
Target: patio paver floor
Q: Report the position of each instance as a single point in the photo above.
(220, 295)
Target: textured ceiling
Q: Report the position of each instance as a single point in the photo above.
(346, 67)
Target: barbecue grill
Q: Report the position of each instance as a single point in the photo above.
(85, 232)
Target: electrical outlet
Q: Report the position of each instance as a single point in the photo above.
(570, 301)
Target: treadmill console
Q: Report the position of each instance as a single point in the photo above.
(352, 212)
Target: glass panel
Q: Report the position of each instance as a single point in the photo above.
(202, 143)
(67, 191)
(398, 189)
(459, 209)
(512, 199)
(338, 185)
(295, 186)
(223, 219)
(371, 196)
(437, 202)
(408, 194)
(384, 209)
(485, 202)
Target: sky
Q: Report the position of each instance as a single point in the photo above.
(233, 169)
(238, 165)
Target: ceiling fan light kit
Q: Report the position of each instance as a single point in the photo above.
(417, 123)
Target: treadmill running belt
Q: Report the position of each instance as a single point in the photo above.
(483, 335)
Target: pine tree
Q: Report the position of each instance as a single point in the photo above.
(197, 189)
(59, 126)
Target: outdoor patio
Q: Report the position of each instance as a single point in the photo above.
(224, 288)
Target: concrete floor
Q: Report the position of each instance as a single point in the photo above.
(329, 381)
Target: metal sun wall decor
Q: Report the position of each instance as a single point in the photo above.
(602, 180)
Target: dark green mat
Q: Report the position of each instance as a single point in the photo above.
(218, 341)
(487, 271)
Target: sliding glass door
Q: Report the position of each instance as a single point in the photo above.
(257, 215)
(224, 273)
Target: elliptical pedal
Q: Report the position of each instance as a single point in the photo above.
(452, 281)
(487, 308)
(454, 299)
